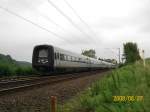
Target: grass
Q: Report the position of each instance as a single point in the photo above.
(129, 81)
(11, 67)
(7, 69)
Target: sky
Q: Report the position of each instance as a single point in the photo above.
(76, 25)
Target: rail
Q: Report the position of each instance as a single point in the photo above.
(21, 85)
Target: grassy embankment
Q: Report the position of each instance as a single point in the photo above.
(11, 67)
(129, 81)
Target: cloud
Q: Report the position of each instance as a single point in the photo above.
(113, 22)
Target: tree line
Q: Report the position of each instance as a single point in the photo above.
(131, 53)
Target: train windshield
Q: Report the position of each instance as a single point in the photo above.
(43, 53)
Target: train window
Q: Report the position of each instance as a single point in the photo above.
(65, 57)
(83, 61)
(75, 59)
(61, 56)
(70, 58)
(43, 53)
(58, 56)
(79, 59)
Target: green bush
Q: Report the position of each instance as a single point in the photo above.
(9, 67)
(25, 71)
(5, 70)
(9, 70)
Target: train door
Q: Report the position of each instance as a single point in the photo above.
(51, 58)
(57, 59)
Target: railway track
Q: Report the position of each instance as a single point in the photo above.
(8, 87)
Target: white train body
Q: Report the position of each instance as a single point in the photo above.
(50, 58)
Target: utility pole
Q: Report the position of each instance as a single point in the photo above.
(143, 57)
(119, 55)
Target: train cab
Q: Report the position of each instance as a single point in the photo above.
(43, 58)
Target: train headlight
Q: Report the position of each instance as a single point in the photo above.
(42, 61)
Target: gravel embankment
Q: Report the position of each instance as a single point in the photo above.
(38, 99)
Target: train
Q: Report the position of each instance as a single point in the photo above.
(48, 58)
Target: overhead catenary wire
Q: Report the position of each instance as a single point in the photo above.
(33, 23)
(90, 29)
(69, 19)
(51, 21)
(46, 17)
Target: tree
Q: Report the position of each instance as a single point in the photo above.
(131, 52)
(90, 53)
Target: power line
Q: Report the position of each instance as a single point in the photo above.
(79, 17)
(29, 21)
(47, 18)
(50, 20)
(68, 18)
